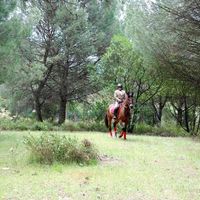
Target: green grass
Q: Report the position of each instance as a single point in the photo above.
(143, 168)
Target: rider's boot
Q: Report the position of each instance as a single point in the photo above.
(115, 113)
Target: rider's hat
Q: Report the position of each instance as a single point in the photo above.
(119, 85)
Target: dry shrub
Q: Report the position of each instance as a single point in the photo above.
(49, 148)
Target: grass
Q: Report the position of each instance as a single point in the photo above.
(141, 168)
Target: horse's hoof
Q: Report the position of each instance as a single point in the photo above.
(120, 136)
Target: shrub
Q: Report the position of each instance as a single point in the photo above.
(22, 124)
(166, 130)
(49, 148)
(143, 128)
(70, 126)
(83, 126)
(41, 126)
(97, 126)
(170, 130)
(30, 124)
(6, 124)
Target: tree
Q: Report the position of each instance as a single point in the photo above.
(122, 63)
(6, 7)
(167, 34)
(64, 39)
(184, 56)
(76, 44)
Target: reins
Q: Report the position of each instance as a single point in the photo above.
(125, 104)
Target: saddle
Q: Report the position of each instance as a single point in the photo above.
(112, 108)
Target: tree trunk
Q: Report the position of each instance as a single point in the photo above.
(158, 110)
(179, 116)
(198, 124)
(38, 108)
(133, 121)
(186, 115)
(62, 110)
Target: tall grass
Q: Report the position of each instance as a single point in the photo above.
(50, 148)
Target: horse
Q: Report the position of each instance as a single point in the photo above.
(123, 115)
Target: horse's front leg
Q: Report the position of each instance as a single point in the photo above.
(115, 128)
(123, 132)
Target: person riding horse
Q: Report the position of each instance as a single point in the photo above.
(119, 96)
(124, 101)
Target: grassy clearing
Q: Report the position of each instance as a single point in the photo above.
(141, 168)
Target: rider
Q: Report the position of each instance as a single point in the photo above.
(119, 96)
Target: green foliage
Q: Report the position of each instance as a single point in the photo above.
(23, 124)
(5, 8)
(121, 63)
(11, 33)
(170, 130)
(41, 126)
(96, 109)
(49, 148)
(143, 128)
(166, 130)
(83, 126)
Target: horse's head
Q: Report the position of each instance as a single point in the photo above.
(130, 99)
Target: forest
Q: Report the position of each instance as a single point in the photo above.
(60, 63)
(64, 64)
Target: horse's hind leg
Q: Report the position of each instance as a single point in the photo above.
(110, 127)
(110, 131)
(125, 134)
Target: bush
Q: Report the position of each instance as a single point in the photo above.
(49, 148)
(22, 124)
(70, 126)
(143, 128)
(166, 130)
(170, 130)
(33, 125)
(41, 126)
(84, 126)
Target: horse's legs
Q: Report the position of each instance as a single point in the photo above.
(109, 126)
(124, 129)
(123, 132)
(110, 131)
(115, 128)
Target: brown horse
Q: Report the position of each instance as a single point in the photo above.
(123, 115)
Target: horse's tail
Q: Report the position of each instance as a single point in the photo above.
(106, 120)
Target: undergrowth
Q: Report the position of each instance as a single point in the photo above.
(51, 148)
